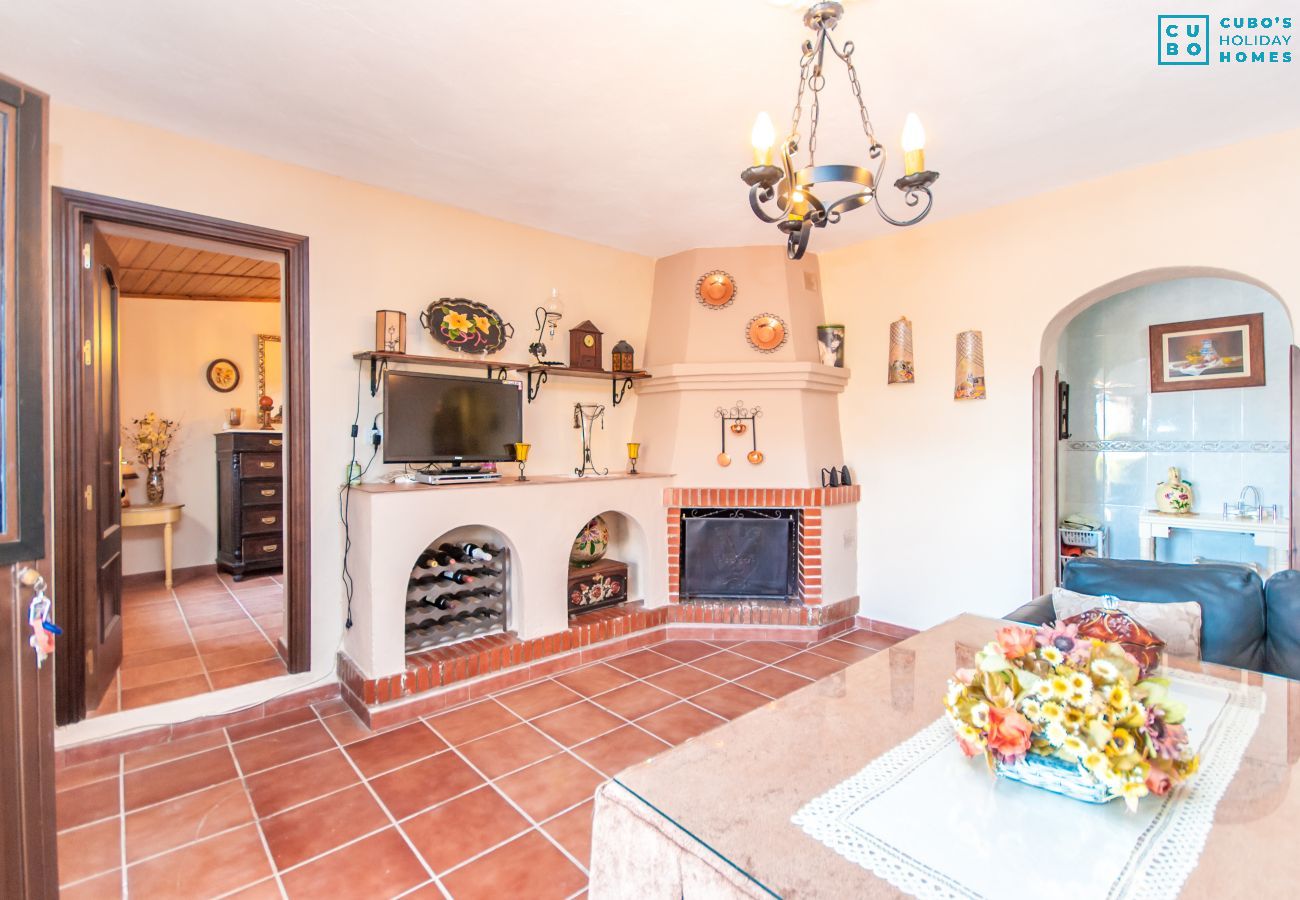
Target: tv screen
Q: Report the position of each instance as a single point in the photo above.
(442, 418)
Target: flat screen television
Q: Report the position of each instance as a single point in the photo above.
(445, 419)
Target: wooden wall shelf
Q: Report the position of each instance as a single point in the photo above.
(536, 375)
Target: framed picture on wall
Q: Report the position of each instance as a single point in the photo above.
(1203, 354)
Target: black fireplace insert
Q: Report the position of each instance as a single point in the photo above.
(733, 554)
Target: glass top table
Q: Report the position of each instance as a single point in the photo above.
(730, 793)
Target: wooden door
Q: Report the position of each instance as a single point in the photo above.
(27, 845)
(101, 513)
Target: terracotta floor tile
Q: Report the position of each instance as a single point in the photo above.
(395, 748)
(134, 698)
(67, 777)
(321, 825)
(90, 850)
(241, 626)
(727, 664)
(458, 829)
(173, 749)
(537, 699)
(507, 750)
(729, 701)
(381, 865)
(844, 651)
(764, 651)
(811, 665)
(282, 746)
(473, 721)
(163, 671)
(684, 681)
(572, 831)
(642, 663)
(250, 651)
(551, 786)
(592, 680)
(225, 611)
(774, 682)
(331, 707)
(87, 803)
(685, 651)
(679, 722)
(265, 725)
(346, 728)
(145, 787)
(139, 658)
(263, 890)
(635, 700)
(869, 639)
(111, 702)
(247, 674)
(623, 747)
(529, 866)
(420, 785)
(168, 825)
(577, 723)
(102, 887)
(302, 780)
(205, 869)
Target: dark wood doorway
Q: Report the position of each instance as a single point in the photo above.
(76, 216)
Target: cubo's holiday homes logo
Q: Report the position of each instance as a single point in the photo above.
(1186, 40)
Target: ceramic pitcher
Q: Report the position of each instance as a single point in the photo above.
(1175, 495)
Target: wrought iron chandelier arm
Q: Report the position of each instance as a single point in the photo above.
(911, 196)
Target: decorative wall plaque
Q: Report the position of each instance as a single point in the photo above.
(715, 289)
(766, 332)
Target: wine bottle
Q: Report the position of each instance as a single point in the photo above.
(453, 552)
(474, 551)
(484, 572)
(426, 624)
(460, 576)
(484, 613)
(463, 615)
(484, 592)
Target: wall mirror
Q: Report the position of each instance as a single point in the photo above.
(270, 371)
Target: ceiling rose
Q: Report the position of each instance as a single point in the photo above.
(798, 208)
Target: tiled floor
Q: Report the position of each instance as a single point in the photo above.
(206, 633)
(492, 799)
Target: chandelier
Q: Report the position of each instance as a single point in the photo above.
(793, 192)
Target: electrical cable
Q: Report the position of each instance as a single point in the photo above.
(345, 499)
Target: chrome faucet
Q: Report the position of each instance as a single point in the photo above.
(1244, 510)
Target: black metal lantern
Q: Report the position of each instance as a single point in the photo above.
(622, 358)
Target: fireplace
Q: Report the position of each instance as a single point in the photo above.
(739, 554)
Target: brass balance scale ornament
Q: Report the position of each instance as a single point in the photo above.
(738, 420)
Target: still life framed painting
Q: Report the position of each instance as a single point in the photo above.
(1203, 354)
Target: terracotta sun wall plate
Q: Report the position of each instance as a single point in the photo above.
(715, 289)
(765, 333)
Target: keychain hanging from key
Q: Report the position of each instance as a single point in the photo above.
(38, 617)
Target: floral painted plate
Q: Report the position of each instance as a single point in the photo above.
(466, 326)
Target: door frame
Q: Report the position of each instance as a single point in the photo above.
(73, 211)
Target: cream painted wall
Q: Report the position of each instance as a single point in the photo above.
(166, 346)
(370, 249)
(945, 520)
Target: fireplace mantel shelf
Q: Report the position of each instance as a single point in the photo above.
(746, 375)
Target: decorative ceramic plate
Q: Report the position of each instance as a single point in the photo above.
(715, 289)
(466, 326)
(765, 333)
(223, 375)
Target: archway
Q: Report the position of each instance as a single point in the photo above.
(626, 544)
(1121, 433)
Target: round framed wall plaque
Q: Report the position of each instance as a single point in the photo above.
(766, 332)
(715, 289)
(223, 375)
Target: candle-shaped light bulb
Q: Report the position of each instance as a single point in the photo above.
(913, 145)
(763, 137)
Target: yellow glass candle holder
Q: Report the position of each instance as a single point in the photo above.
(633, 453)
(521, 457)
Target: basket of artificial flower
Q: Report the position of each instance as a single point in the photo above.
(1070, 714)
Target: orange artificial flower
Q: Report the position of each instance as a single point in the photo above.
(1159, 781)
(1008, 732)
(1015, 641)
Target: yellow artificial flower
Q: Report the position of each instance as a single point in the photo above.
(484, 323)
(979, 715)
(1058, 687)
(1030, 709)
(1118, 697)
(1080, 682)
(1052, 656)
(1132, 792)
(1053, 712)
(1073, 748)
(1074, 719)
(1055, 734)
(1105, 670)
(1121, 743)
(457, 321)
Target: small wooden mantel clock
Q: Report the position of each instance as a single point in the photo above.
(584, 347)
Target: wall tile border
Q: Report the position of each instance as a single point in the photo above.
(1181, 446)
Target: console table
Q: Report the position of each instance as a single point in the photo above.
(164, 514)
(1272, 534)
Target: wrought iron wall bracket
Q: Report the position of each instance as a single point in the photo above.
(499, 374)
(618, 390)
(377, 369)
(535, 384)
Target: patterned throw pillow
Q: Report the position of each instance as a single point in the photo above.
(1177, 624)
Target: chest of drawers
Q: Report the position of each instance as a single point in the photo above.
(250, 502)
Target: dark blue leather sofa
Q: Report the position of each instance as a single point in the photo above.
(1244, 622)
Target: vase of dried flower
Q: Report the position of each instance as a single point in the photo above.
(153, 487)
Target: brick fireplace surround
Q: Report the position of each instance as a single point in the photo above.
(443, 677)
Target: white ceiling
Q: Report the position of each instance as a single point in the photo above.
(627, 123)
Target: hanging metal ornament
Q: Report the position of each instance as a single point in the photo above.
(584, 417)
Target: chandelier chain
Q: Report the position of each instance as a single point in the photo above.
(857, 93)
(804, 62)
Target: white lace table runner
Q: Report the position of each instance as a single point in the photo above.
(937, 825)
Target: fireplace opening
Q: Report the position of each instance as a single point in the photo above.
(734, 554)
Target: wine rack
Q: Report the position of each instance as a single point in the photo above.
(450, 599)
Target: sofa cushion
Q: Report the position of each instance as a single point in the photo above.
(1231, 599)
(1282, 596)
(1036, 612)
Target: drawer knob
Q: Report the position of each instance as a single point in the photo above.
(275, 442)
(267, 465)
(268, 520)
(268, 492)
(270, 548)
